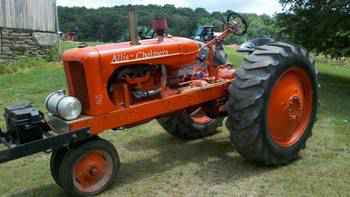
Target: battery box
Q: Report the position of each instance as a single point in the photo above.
(23, 123)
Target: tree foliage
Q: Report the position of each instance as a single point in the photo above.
(322, 26)
(111, 24)
(259, 26)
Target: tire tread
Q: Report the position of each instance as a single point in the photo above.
(247, 98)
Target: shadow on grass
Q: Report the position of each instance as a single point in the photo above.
(50, 190)
(217, 160)
(341, 80)
(334, 92)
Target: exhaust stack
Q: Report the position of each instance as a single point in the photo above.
(133, 26)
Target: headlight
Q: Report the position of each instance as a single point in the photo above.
(66, 107)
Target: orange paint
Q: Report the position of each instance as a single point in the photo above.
(92, 171)
(97, 66)
(151, 109)
(90, 69)
(290, 107)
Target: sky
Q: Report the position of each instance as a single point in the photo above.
(245, 6)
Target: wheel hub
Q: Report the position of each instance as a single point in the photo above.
(289, 107)
(92, 171)
(200, 117)
(295, 108)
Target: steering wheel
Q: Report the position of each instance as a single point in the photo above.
(237, 23)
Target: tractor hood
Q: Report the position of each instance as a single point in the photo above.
(171, 51)
(89, 70)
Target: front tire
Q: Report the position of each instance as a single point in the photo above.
(89, 169)
(55, 163)
(273, 104)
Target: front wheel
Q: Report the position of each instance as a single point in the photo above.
(273, 104)
(55, 163)
(89, 169)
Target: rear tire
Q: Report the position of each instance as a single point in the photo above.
(89, 169)
(273, 104)
(182, 126)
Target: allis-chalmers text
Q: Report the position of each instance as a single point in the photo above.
(121, 57)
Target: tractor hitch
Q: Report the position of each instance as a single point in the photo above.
(27, 133)
(44, 145)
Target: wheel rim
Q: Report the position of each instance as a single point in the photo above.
(199, 117)
(92, 171)
(290, 107)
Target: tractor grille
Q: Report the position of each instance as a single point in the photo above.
(77, 83)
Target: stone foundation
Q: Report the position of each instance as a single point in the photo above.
(18, 43)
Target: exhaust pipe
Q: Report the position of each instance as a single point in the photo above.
(134, 38)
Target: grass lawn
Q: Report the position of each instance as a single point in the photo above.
(156, 164)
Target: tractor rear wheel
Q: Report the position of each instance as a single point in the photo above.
(89, 168)
(273, 104)
(190, 124)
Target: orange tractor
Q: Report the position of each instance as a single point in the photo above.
(270, 102)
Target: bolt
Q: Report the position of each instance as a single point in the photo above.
(93, 171)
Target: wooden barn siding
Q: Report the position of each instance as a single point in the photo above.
(37, 15)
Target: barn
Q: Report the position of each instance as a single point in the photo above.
(27, 28)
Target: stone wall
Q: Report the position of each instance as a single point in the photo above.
(18, 43)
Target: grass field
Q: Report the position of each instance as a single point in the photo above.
(156, 164)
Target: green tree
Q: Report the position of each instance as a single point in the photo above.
(111, 24)
(322, 26)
